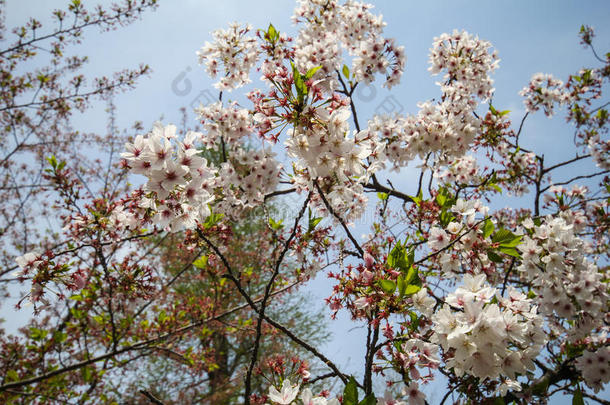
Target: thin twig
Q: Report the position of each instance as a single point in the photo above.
(332, 211)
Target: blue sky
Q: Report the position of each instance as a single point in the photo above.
(530, 36)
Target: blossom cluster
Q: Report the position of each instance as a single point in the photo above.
(464, 236)
(246, 178)
(447, 128)
(232, 54)
(180, 182)
(467, 62)
(486, 339)
(463, 171)
(324, 150)
(595, 367)
(289, 392)
(600, 150)
(544, 91)
(224, 124)
(566, 282)
(331, 27)
(418, 353)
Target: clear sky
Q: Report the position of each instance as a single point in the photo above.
(530, 36)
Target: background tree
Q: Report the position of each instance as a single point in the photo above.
(41, 87)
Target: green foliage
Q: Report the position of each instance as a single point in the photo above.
(345, 71)
(201, 262)
(408, 282)
(577, 399)
(271, 35)
(505, 242)
(213, 219)
(350, 395)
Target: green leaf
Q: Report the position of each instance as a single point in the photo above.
(368, 400)
(414, 323)
(86, 374)
(444, 198)
(345, 71)
(388, 286)
(412, 281)
(488, 228)
(499, 401)
(441, 199)
(213, 219)
(350, 393)
(495, 187)
(12, 375)
(312, 72)
(272, 33)
(503, 236)
(313, 222)
(412, 289)
(512, 243)
(201, 263)
(494, 257)
(299, 84)
(402, 285)
(276, 226)
(382, 196)
(396, 254)
(52, 161)
(577, 399)
(412, 275)
(417, 199)
(541, 388)
(445, 218)
(37, 334)
(59, 336)
(511, 251)
(399, 258)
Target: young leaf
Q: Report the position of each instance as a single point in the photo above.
(399, 258)
(511, 251)
(201, 263)
(577, 399)
(345, 71)
(368, 400)
(418, 198)
(312, 72)
(272, 33)
(494, 257)
(276, 225)
(350, 393)
(388, 286)
(213, 219)
(402, 285)
(513, 242)
(495, 187)
(503, 236)
(488, 228)
(313, 221)
(412, 289)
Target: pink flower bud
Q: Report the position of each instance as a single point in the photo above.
(79, 281)
(369, 261)
(367, 276)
